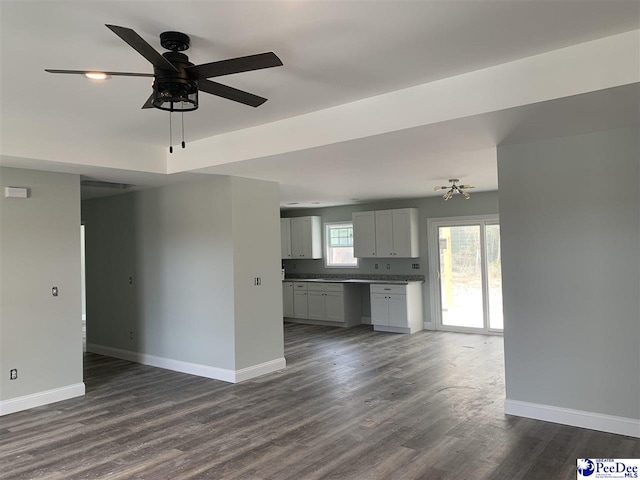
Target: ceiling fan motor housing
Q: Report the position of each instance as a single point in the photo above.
(175, 91)
(175, 41)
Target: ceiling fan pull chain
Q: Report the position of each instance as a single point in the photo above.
(170, 135)
(182, 114)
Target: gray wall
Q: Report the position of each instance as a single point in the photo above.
(178, 245)
(256, 253)
(432, 207)
(569, 215)
(40, 335)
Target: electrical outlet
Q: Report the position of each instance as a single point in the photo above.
(375, 266)
(388, 267)
(54, 291)
(13, 374)
(131, 335)
(257, 281)
(415, 266)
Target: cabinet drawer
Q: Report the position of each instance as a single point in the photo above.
(326, 287)
(333, 287)
(300, 285)
(382, 288)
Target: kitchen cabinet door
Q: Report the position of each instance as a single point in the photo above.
(364, 234)
(300, 231)
(398, 310)
(334, 306)
(306, 237)
(285, 238)
(287, 299)
(300, 309)
(384, 233)
(405, 233)
(379, 309)
(316, 305)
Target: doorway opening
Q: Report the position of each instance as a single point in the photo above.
(465, 274)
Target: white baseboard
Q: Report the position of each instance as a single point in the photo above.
(260, 369)
(226, 375)
(575, 418)
(39, 399)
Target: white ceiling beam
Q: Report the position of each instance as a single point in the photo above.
(600, 64)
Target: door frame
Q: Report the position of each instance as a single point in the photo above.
(433, 244)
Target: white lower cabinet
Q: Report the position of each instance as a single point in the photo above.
(397, 308)
(300, 300)
(334, 306)
(321, 302)
(287, 299)
(316, 306)
(326, 302)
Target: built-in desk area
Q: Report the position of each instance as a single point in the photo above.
(390, 304)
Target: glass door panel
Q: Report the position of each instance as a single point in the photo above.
(461, 276)
(494, 276)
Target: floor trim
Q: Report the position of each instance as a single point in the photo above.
(215, 373)
(39, 399)
(260, 369)
(574, 418)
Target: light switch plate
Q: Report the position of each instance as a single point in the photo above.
(16, 192)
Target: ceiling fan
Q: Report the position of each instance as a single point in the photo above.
(453, 189)
(177, 80)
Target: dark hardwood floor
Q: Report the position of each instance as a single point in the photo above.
(352, 404)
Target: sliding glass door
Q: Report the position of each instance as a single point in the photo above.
(466, 279)
(494, 275)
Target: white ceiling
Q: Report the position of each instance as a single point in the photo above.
(333, 53)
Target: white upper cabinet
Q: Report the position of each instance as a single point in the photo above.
(306, 237)
(285, 237)
(405, 233)
(364, 234)
(386, 233)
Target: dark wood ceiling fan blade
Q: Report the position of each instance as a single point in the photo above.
(149, 102)
(234, 65)
(230, 93)
(140, 45)
(113, 74)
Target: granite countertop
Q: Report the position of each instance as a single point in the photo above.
(361, 279)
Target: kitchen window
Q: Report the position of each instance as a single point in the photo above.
(338, 240)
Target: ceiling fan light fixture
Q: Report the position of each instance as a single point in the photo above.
(176, 96)
(97, 76)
